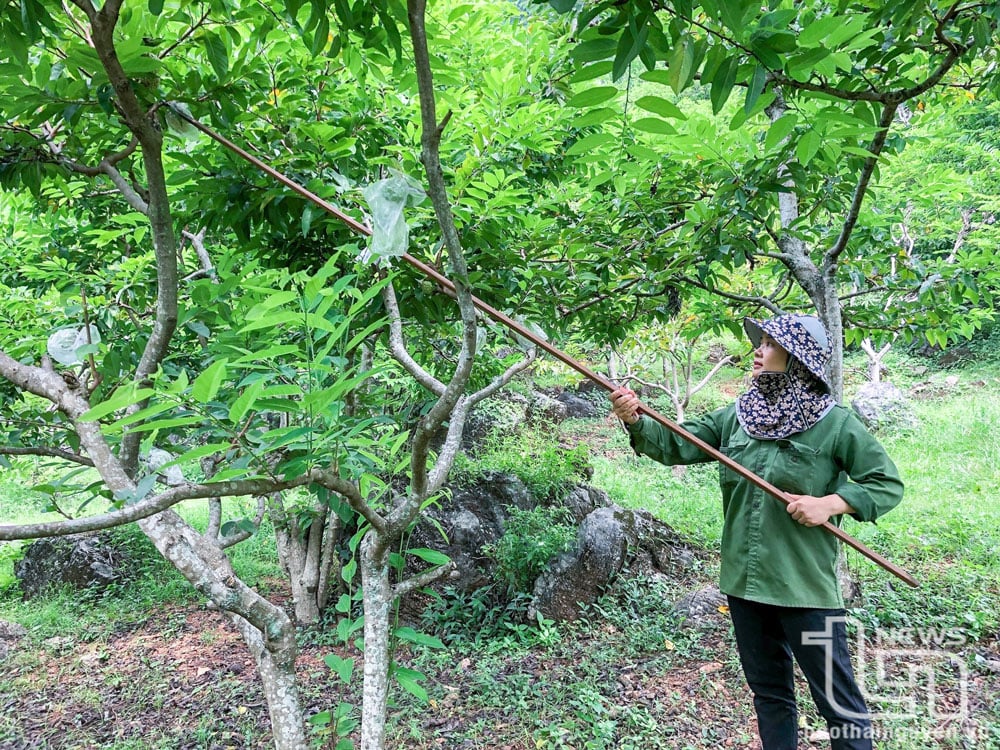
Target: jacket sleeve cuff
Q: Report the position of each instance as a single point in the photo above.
(858, 498)
(634, 430)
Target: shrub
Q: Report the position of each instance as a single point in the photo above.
(531, 539)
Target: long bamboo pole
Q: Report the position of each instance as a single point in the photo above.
(541, 343)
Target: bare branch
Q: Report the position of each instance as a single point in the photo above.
(11, 450)
(504, 378)
(148, 507)
(832, 255)
(430, 136)
(204, 259)
(727, 360)
(753, 299)
(397, 345)
(422, 579)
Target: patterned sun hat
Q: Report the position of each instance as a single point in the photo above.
(802, 336)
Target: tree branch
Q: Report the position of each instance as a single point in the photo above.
(148, 507)
(832, 255)
(397, 344)
(753, 299)
(11, 450)
(430, 137)
(422, 579)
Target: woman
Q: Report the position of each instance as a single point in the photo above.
(778, 569)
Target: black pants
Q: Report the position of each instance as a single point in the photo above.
(767, 637)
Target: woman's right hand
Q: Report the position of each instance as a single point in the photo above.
(625, 405)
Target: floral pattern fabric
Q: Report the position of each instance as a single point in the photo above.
(780, 404)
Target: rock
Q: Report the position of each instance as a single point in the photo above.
(987, 664)
(698, 607)
(501, 414)
(882, 405)
(583, 500)
(81, 561)
(11, 631)
(547, 409)
(577, 578)
(578, 407)
(820, 735)
(607, 538)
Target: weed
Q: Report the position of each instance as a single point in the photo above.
(547, 469)
(531, 539)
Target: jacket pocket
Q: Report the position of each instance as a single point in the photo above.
(737, 451)
(799, 468)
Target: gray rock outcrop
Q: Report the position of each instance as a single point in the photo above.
(881, 405)
(81, 561)
(607, 539)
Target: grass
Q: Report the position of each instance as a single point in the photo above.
(151, 581)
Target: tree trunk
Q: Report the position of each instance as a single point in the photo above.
(265, 627)
(277, 675)
(306, 556)
(828, 309)
(377, 602)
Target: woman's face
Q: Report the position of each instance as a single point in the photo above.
(769, 357)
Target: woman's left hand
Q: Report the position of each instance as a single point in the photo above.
(815, 511)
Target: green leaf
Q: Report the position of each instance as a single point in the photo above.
(593, 96)
(320, 719)
(307, 217)
(123, 397)
(654, 125)
(196, 453)
(245, 401)
(681, 65)
(660, 75)
(344, 668)
(814, 33)
(592, 71)
(408, 679)
(590, 142)
(734, 13)
(410, 635)
(429, 555)
(723, 82)
(779, 130)
(349, 570)
(163, 424)
(807, 147)
(593, 50)
(594, 117)
(755, 88)
(155, 7)
(207, 385)
(218, 55)
(660, 106)
(801, 66)
(629, 45)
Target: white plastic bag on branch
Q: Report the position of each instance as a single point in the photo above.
(524, 344)
(386, 200)
(63, 345)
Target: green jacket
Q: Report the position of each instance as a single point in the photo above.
(766, 555)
